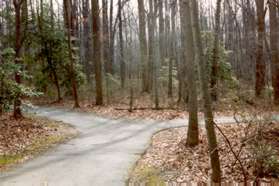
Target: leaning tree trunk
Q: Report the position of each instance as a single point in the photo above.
(208, 114)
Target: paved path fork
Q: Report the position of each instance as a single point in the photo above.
(102, 155)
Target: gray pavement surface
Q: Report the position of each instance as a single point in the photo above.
(102, 155)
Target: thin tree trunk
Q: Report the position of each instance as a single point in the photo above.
(111, 42)
(86, 39)
(161, 30)
(18, 45)
(215, 53)
(151, 44)
(173, 47)
(156, 59)
(122, 61)
(106, 36)
(50, 56)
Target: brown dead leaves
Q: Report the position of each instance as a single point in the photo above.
(21, 139)
(179, 163)
(15, 135)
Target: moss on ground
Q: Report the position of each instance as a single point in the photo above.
(147, 175)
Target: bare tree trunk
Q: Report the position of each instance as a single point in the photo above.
(74, 18)
(122, 61)
(173, 47)
(106, 36)
(151, 44)
(143, 45)
(209, 120)
(215, 53)
(1, 48)
(161, 29)
(86, 39)
(157, 59)
(153, 62)
(260, 64)
(183, 91)
(274, 37)
(18, 46)
(111, 42)
(193, 130)
(70, 32)
(50, 56)
(97, 51)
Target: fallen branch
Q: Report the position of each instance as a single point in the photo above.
(147, 108)
(234, 153)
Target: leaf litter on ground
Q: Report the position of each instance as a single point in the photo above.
(22, 139)
(176, 162)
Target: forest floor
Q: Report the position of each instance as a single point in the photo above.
(168, 159)
(21, 140)
(144, 108)
(111, 141)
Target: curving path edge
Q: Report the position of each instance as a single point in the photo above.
(102, 155)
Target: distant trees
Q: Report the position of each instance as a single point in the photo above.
(145, 49)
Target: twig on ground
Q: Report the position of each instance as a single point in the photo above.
(233, 152)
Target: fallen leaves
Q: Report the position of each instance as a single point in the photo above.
(21, 139)
(177, 162)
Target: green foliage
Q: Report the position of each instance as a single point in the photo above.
(9, 89)
(265, 160)
(47, 55)
(262, 130)
(224, 67)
